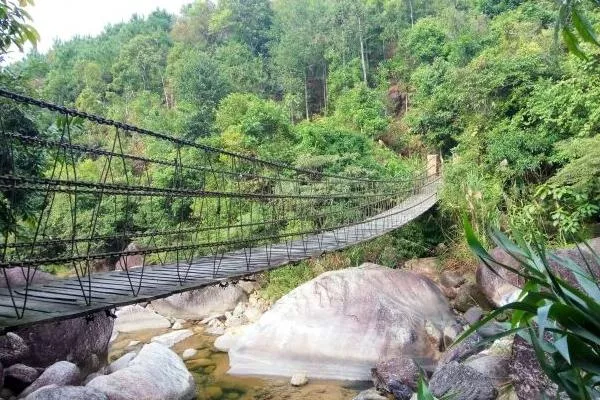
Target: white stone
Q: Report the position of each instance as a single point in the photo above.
(299, 379)
(156, 373)
(136, 318)
(189, 353)
(238, 311)
(133, 343)
(340, 324)
(171, 338)
(178, 324)
(229, 338)
(253, 314)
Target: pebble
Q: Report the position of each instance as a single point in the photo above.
(189, 353)
(299, 379)
(133, 343)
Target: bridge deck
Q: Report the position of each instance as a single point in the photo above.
(62, 299)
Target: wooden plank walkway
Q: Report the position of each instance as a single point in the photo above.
(63, 299)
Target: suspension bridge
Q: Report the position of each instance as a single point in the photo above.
(172, 214)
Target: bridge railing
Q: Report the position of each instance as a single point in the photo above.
(131, 197)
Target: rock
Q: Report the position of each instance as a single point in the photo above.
(234, 321)
(62, 373)
(494, 367)
(229, 338)
(490, 329)
(17, 277)
(157, 373)
(428, 266)
(91, 376)
(171, 338)
(473, 314)
(189, 353)
(130, 261)
(462, 382)
(469, 295)
(299, 379)
(82, 341)
(398, 376)
(6, 393)
(18, 376)
(12, 349)
(133, 343)
(136, 318)
(526, 374)
(178, 324)
(53, 392)
(461, 351)
(201, 303)
(451, 279)
(338, 325)
(253, 314)
(504, 286)
(371, 394)
(120, 363)
(238, 311)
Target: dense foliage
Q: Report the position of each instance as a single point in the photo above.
(345, 86)
(556, 314)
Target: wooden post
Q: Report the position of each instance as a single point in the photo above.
(433, 165)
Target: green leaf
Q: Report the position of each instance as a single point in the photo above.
(572, 43)
(583, 27)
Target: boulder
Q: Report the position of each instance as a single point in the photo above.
(13, 349)
(18, 277)
(54, 392)
(451, 279)
(130, 261)
(526, 374)
(458, 352)
(156, 373)
(62, 373)
(189, 354)
(171, 338)
(494, 367)
(398, 376)
(201, 303)
(229, 338)
(120, 363)
(18, 376)
(137, 318)
(503, 286)
(470, 295)
(299, 379)
(428, 266)
(339, 325)
(473, 315)
(82, 341)
(462, 383)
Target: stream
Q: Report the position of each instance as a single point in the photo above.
(209, 368)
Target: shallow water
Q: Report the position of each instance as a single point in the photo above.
(209, 368)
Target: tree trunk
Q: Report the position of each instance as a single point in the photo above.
(306, 95)
(412, 18)
(325, 86)
(362, 52)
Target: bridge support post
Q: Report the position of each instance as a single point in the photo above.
(433, 165)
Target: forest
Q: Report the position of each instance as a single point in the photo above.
(352, 87)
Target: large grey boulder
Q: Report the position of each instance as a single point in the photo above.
(53, 392)
(82, 341)
(526, 374)
(156, 373)
(63, 373)
(502, 286)
(462, 383)
(137, 318)
(339, 325)
(19, 276)
(201, 303)
(131, 261)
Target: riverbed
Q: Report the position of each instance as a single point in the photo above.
(209, 368)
